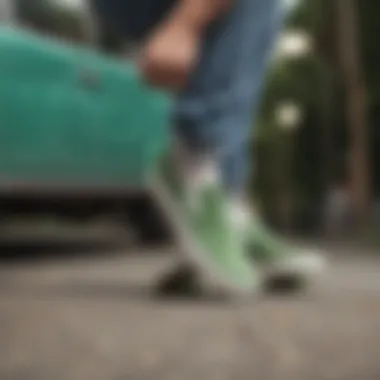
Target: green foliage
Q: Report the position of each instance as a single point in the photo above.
(369, 11)
(307, 81)
(315, 83)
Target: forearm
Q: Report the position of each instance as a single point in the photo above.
(198, 14)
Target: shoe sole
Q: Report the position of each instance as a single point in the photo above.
(308, 266)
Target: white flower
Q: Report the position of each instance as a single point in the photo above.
(294, 44)
(288, 115)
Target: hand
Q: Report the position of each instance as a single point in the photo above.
(169, 55)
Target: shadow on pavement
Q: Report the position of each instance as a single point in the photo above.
(15, 252)
(111, 291)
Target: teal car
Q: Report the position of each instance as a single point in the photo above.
(75, 124)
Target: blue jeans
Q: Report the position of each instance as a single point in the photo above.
(216, 110)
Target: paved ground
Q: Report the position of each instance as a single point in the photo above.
(79, 317)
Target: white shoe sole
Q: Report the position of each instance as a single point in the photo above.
(310, 265)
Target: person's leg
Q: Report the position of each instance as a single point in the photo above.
(218, 109)
(215, 112)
